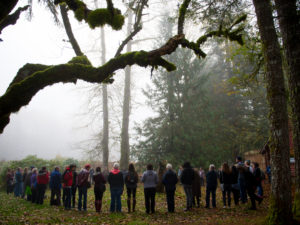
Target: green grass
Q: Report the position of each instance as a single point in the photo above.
(18, 211)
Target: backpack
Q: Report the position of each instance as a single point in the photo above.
(131, 178)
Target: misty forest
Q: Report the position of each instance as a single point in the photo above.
(197, 96)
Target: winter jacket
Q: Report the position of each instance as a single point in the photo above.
(9, 178)
(196, 185)
(74, 183)
(225, 178)
(131, 179)
(211, 180)
(55, 180)
(43, 177)
(150, 179)
(33, 180)
(28, 179)
(115, 179)
(24, 177)
(187, 176)
(170, 180)
(98, 179)
(83, 178)
(250, 179)
(257, 175)
(68, 179)
(18, 177)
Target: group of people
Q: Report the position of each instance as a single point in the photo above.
(241, 179)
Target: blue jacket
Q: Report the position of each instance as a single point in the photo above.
(18, 177)
(170, 180)
(55, 180)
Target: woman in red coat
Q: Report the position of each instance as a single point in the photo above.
(67, 185)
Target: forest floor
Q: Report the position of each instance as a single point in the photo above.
(18, 211)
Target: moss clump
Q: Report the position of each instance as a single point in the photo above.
(296, 205)
(117, 22)
(100, 17)
(80, 60)
(80, 11)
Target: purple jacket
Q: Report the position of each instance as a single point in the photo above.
(33, 180)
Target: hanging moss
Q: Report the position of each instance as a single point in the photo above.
(98, 17)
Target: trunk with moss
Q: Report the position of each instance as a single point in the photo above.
(290, 31)
(280, 211)
(125, 149)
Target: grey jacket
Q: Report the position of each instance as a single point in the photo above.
(150, 179)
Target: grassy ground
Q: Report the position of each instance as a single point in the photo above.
(18, 211)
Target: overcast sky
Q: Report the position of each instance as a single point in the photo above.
(49, 125)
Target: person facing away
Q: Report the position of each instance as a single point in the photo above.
(259, 178)
(99, 188)
(202, 176)
(170, 180)
(150, 180)
(74, 184)
(42, 181)
(25, 172)
(33, 184)
(9, 181)
(187, 178)
(241, 179)
(18, 184)
(27, 184)
(226, 181)
(196, 186)
(235, 188)
(211, 186)
(83, 185)
(248, 165)
(116, 182)
(55, 186)
(131, 180)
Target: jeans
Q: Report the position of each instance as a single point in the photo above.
(73, 196)
(41, 188)
(115, 204)
(68, 193)
(213, 193)
(55, 192)
(260, 190)
(170, 200)
(18, 189)
(243, 193)
(150, 199)
(82, 191)
(188, 190)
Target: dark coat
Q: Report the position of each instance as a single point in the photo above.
(28, 179)
(187, 176)
(257, 175)
(196, 184)
(250, 179)
(55, 180)
(99, 180)
(131, 179)
(170, 180)
(226, 178)
(74, 183)
(115, 179)
(211, 180)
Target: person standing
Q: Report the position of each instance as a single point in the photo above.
(18, 184)
(258, 177)
(211, 186)
(131, 181)
(27, 184)
(202, 176)
(74, 184)
(99, 188)
(33, 184)
(83, 185)
(67, 185)
(170, 180)
(187, 178)
(196, 186)
(241, 179)
(225, 183)
(234, 184)
(42, 181)
(251, 186)
(25, 172)
(150, 180)
(9, 181)
(55, 186)
(116, 182)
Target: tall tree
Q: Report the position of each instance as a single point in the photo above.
(289, 24)
(280, 211)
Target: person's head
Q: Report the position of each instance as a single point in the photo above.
(34, 170)
(116, 166)
(73, 167)
(149, 167)
(256, 165)
(169, 166)
(98, 169)
(25, 170)
(44, 168)
(19, 169)
(238, 159)
(131, 167)
(211, 167)
(8, 170)
(56, 168)
(225, 168)
(200, 169)
(247, 162)
(186, 165)
(87, 166)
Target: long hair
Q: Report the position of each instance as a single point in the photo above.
(225, 168)
(131, 168)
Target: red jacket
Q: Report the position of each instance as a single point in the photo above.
(68, 179)
(43, 177)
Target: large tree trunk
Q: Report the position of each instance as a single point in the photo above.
(280, 211)
(125, 149)
(290, 30)
(105, 138)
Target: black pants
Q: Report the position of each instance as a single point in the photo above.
(33, 194)
(131, 191)
(170, 200)
(236, 195)
(41, 188)
(68, 195)
(98, 194)
(55, 196)
(74, 188)
(150, 199)
(213, 193)
(253, 196)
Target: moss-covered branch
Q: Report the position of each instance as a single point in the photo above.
(98, 17)
(182, 12)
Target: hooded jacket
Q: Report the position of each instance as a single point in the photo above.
(150, 179)
(115, 179)
(68, 178)
(55, 180)
(170, 180)
(43, 177)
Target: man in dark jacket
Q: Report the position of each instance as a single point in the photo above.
(74, 184)
(116, 182)
(211, 186)
(187, 178)
(55, 186)
(83, 185)
(170, 180)
(251, 185)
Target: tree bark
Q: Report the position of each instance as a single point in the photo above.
(125, 149)
(280, 211)
(105, 138)
(290, 30)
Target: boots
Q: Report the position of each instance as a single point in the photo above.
(98, 205)
(128, 205)
(133, 205)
